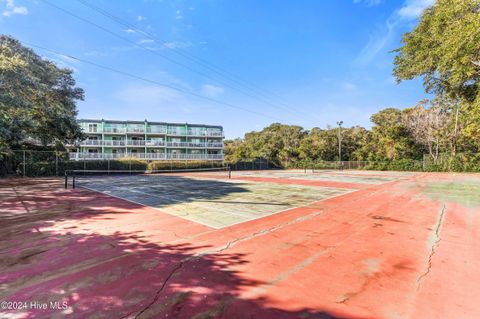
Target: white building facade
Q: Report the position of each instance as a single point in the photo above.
(108, 139)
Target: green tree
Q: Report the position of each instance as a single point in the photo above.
(444, 49)
(390, 138)
(37, 98)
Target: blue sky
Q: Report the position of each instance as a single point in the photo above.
(309, 63)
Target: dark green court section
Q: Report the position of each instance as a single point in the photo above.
(215, 203)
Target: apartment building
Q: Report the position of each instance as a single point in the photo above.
(106, 139)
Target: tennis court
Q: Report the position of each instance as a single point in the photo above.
(258, 244)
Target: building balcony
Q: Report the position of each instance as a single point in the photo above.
(113, 142)
(114, 130)
(204, 133)
(136, 130)
(154, 143)
(135, 142)
(91, 143)
(214, 145)
(156, 130)
(194, 145)
(76, 156)
(176, 133)
(218, 134)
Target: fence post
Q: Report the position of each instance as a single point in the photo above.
(56, 164)
(24, 163)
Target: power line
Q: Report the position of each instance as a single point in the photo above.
(152, 51)
(216, 69)
(179, 89)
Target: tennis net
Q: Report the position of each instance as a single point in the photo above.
(132, 177)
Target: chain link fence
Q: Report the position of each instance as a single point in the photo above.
(256, 164)
(462, 162)
(29, 163)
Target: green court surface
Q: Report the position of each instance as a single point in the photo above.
(214, 203)
(320, 175)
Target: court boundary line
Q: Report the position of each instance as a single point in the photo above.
(307, 205)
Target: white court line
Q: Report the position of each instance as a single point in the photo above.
(348, 191)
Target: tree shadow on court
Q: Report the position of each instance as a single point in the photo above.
(163, 190)
(123, 276)
(109, 273)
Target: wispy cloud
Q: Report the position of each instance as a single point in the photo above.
(369, 3)
(177, 44)
(349, 86)
(11, 9)
(212, 91)
(178, 15)
(141, 18)
(385, 33)
(63, 61)
(129, 30)
(145, 41)
(151, 98)
(414, 8)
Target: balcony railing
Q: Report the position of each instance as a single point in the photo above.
(152, 156)
(135, 129)
(114, 130)
(176, 132)
(91, 142)
(154, 143)
(150, 143)
(204, 133)
(219, 134)
(157, 130)
(113, 142)
(136, 142)
(194, 144)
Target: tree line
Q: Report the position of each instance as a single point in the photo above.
(430, 128)
(38, 100)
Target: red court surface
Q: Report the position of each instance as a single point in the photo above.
(407, 248)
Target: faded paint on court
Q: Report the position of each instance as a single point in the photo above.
(216, 204)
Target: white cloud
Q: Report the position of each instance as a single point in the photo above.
(141, 18)
(413, 9)
(148, 96)
(408, 12)
(349, 86)
(63, 61)
(369, 3)
(146, 41)
(177, 45)
(129, 30)
(178, 15)
(11, 9)
(212, 90)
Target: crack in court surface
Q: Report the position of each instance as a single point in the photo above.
(435, 241)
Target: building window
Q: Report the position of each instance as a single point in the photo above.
(92, 128)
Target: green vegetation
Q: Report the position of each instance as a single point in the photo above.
(37, 98)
